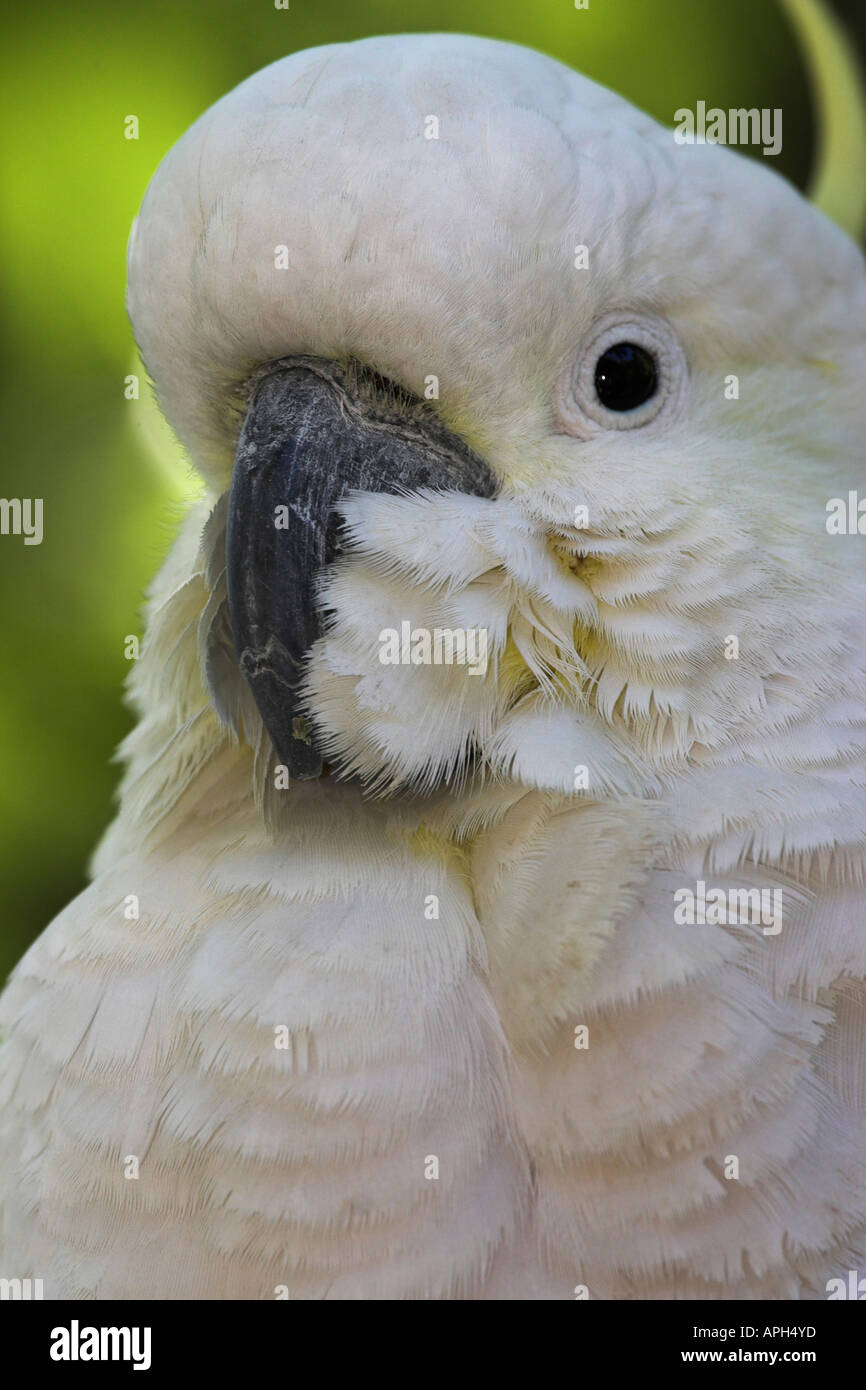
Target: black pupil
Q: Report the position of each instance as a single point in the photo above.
(625, 376)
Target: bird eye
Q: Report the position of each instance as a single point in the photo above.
(625, 376)
(629, 372)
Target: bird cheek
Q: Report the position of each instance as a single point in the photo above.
(402, 686)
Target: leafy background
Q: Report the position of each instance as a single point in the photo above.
(112, 478)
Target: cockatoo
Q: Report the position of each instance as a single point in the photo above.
(381, 989)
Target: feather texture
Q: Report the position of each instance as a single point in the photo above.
(429, 1027)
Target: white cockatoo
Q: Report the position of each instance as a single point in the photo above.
(384, 986)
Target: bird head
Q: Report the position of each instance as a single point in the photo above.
(465, 344)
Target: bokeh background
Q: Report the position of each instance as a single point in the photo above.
(112, 478)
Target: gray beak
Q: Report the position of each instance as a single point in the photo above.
(314, 431)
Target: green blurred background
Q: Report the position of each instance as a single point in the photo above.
(112, 478)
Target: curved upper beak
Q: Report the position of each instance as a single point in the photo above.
(314, 431)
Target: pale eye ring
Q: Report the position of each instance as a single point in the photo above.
(630, 373)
